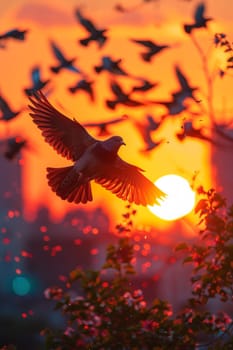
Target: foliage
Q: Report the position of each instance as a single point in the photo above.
(111, 314)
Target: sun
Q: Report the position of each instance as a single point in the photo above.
(180, 198)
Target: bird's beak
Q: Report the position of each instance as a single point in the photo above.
(123, 143)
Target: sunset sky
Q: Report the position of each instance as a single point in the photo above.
(161, 21)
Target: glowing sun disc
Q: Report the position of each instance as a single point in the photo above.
(180, 198)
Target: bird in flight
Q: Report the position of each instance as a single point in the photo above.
(200, 21)
(95, 34)
(63, 62)
(152, 48)
(92, 160)
(37, 82)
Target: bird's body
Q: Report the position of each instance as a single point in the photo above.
(84, 85)
(15, 34)
(121, 97)
(92, 160)
(111, 66)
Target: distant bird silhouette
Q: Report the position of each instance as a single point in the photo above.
(15, 34)
(185, 91)
(111, 66)
(104, 125)
(6, 112)
(190, 131)
(121, 97)
(14, 146)
(200, 21)
(37, 82)
(96, 35)
(93, 160)
(145, 85)
(152, 48)
(145, 129)
(63, 62)
(83, 85)
(174, 107)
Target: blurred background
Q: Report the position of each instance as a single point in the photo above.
(158, 73)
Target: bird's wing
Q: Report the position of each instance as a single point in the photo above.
(146, 43)
(127, 182)
(86, 23)
(57, 52)
(35, 75)
(181, 78)
(66, 136)
(199, 13)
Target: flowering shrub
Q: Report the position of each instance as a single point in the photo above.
(109, 313)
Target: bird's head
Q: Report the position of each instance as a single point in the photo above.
(113, 143)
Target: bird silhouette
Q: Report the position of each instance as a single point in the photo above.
(37, 82)
(145, 128)
(104, 125)
(188, 130)
(200, 21)
(111, 66)
(185, 90)
(152, 48)
(63, 62)
(6, 112)
(145, 85)
(121, 97)
(15, 34)
(92, 160)
(13, 147)
(83, 85)
(96, 35)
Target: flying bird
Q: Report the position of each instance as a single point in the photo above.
(121, 97)
(13, 147)
(185, 90)
(15, 34)
(188, 130)
(83, 85)
(63, 62)
(200, 21)
(104, 125)
(145, 129)
(95, 34)
(145, 85)
(37, 82)
(152, 48)
(111, 66)
(6, 112)
(92, 160)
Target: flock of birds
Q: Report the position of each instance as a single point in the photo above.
(146, 128)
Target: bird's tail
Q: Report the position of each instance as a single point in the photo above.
(85, 41)
(66, 183)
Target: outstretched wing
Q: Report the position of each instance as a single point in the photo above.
(127, 182)
(66, 136)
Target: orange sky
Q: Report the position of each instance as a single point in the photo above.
(160, 21)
